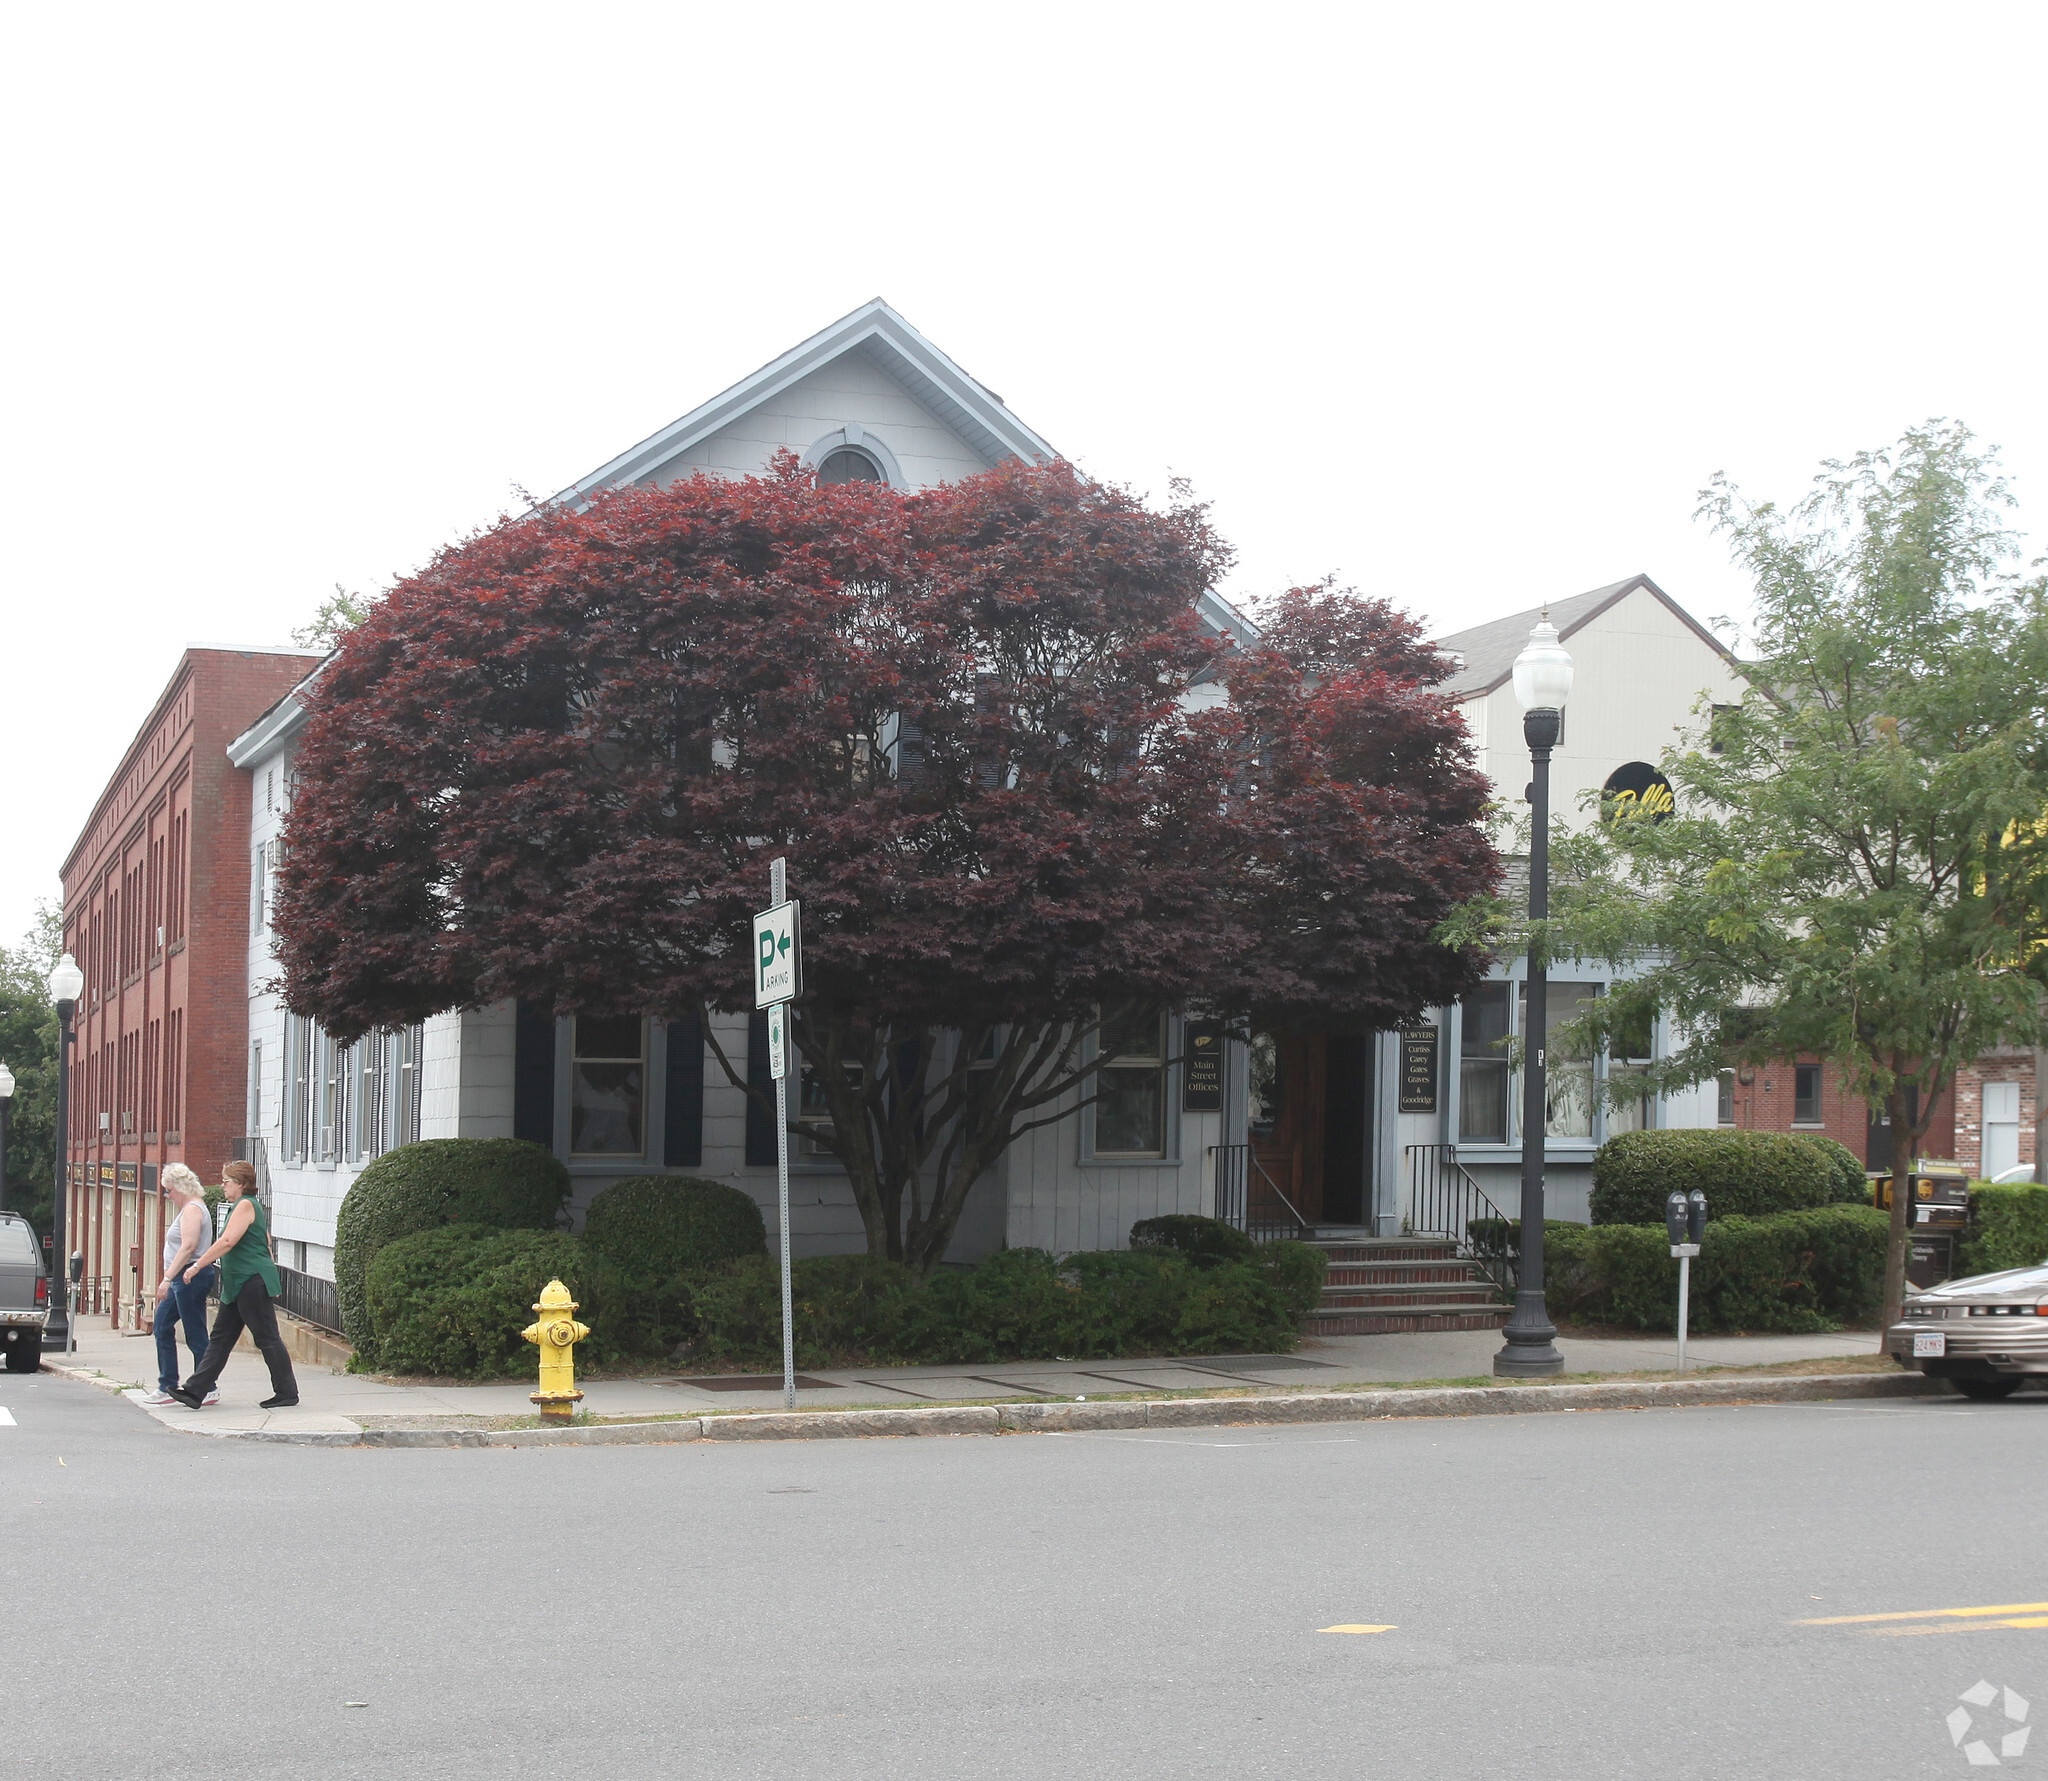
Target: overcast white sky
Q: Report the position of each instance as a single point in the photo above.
(1461, 303)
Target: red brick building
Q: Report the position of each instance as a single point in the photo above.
(1986, 1121)
(156, 912)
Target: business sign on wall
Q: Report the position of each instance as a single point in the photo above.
(1418, 1069)
(1201, 1082)
(1636, 789)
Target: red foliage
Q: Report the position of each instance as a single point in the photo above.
(555, 764)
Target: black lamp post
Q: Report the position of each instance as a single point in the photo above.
(6, 1102)
(1543, 680)
(67, 984)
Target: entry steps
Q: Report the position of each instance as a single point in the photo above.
(1378, 1284)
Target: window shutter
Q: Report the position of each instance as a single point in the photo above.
(682, 1144)
(533, 1075)
(761, 1149)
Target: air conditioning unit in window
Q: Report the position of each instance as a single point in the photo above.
(327, 1140)
(106, 1122)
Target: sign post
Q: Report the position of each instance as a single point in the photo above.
(778, 979)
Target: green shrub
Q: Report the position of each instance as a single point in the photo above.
(657, 1226)
(453, 1301)
(501, 1182)
(1012, 1306)
(1743, 1174)
(1570, 1289)
(2009, 1227)
(1204, 1241)
(1019, 1304)
(1851, 1184)
(1297, 1271)
(1794, 1271)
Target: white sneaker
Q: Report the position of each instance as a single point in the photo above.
(158, 1397)
(213, 1397)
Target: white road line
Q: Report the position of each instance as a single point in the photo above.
(6, 1417)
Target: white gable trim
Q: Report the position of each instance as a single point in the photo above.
(976, 415)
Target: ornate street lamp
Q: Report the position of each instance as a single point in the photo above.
(1543, 681)
(67, 984)
(6, 1101)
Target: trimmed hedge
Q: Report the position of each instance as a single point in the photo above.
(1743, 1174)
(1794, 1271)
(1203, 1240)
(2010, 1227)
(1020, 1304)
(452, 1301)
(1852, 1184)
(504, 1183)
(657, 1226)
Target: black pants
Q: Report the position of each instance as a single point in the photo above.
(254, 1310)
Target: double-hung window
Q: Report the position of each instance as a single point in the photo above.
(1130, 1085)
(608, 1086)
(1483, 1066)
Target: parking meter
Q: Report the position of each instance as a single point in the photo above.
(77, 1268)
(76, 1271)
(1695, 1217)
(1675, 1216)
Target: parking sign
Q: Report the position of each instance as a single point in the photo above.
(778, 955)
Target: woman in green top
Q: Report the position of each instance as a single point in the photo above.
(249, 1288)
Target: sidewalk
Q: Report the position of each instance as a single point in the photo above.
(339, 1403)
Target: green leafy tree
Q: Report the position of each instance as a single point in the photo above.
(1855, 866)
(28, 1046)
(333, 619)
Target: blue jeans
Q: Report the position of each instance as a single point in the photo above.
(187, 1305)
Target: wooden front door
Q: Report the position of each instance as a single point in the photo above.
(1288, 1077)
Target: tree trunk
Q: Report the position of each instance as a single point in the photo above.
(1900, 1247)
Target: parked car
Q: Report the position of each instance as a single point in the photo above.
(1986, 1335)
(24, 1294)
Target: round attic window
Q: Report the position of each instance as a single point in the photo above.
(849, 465)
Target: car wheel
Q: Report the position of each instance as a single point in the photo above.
(25, 1357)
(1986, 1388)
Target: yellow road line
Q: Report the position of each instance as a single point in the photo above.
(1968, 1626)
(1356, 1629)
(1930, 1614)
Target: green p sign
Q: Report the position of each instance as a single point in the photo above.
(778, 954)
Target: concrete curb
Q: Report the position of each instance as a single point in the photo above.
(1080, 1418)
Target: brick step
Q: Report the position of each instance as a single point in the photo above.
(1389, 1251)
(1396, 1273)
(1410, 1317)
(1478, 1292)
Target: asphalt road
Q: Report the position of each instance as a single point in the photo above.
(1576, 1595)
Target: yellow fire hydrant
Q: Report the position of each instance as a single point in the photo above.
(556, 1332)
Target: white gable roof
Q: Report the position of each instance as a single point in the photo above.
(875, 333)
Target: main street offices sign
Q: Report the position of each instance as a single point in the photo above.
(778, 955)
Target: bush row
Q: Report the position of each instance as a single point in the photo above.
(664, 1263)
(1793, 1271)
(1746, 1174)
(2009, 1227)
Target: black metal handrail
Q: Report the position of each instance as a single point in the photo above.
(311, 1299)
(1445, 1201)
(1236, 1165)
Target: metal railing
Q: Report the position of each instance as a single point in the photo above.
(311, 1299)
(1249, 1198)
(251, 1147)
(1444, 1201)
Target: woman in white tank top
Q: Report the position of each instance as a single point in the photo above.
(186, 1237)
